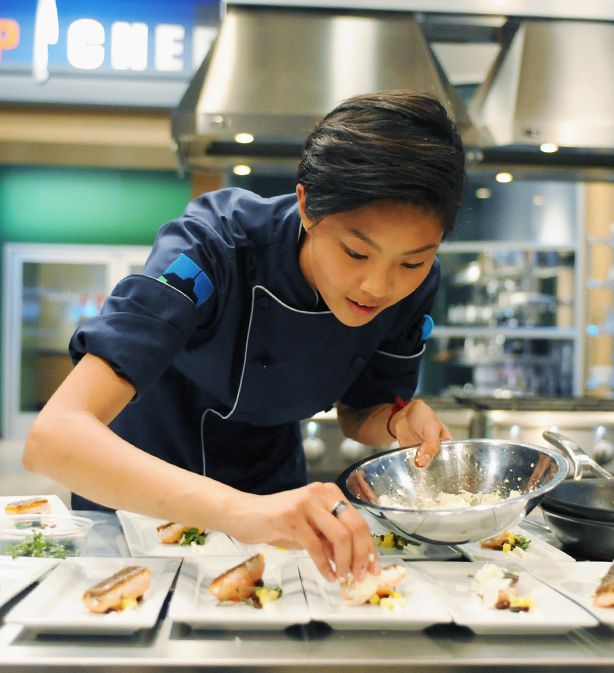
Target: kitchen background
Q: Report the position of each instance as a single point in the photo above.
(109, 124)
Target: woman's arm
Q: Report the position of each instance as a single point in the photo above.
(415, 423)
(71, 443)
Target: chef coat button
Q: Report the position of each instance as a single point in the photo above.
(263, 302)
(358, 363)
(265, 362)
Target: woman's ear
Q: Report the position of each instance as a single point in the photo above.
(301, 197)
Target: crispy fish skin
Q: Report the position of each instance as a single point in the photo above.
(27, 506)
(604, 594)
(128, 583)
(171, 532)
(238, 583)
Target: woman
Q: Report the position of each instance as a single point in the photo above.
(254, 313)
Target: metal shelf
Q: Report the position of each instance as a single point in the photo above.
(505, 246)
(554, 333)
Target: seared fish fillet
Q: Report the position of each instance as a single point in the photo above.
(171, 532)
(128, 584)
(604, 594)
(27, 506)
(238, 583)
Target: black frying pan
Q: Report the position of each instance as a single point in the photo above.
(582, 538)
(580, 512)
(586, 499)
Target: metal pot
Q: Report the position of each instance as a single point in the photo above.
(584, 538)
(580, 512)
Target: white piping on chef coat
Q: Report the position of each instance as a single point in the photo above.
(249, 329)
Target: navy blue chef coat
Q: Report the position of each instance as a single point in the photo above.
(225, 364)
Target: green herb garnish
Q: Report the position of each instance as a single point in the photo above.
(192, 536)
(40, 546)
(522, 542)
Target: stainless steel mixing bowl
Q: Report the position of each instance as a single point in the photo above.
(519, 473)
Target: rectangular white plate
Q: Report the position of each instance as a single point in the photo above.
(422, 606)
(18, 573)
(538, 550)
(56, 504)
(578, 581)
(553, 613)
(55, 605)
(193, 604)
(142, 539)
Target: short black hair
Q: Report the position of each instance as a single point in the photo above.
(385, 146)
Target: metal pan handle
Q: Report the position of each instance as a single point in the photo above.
(581, 464)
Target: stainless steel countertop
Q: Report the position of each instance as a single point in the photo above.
(314, 647)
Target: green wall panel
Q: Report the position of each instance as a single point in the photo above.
(81, 205)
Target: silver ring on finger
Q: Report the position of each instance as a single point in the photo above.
(338, 508)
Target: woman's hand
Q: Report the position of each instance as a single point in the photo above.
(417, 423)
(302, 518)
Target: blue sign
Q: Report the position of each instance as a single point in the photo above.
(122, 39)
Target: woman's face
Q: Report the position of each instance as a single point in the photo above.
(365, 260)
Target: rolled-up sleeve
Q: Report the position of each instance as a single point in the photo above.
(395, 366)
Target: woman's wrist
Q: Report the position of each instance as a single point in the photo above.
(399, 404)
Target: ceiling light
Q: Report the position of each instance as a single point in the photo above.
(483, 193)
(549, 148)
(244, 138)
(504, 177)
(241, 169)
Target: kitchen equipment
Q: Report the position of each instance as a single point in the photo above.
(520, 473)
(580, 463)
(592, 540)
(581, 512)
(587, 421)
(591, 499)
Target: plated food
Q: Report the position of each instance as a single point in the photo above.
(243, 583)
(178, 533)
(497, 588)
(121, 590)
(36, 505)
(507, 542)
(374, 589)
(604, 594)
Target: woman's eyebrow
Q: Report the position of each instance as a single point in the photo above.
(363, 237)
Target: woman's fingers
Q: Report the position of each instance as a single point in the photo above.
(350, 540)
(319, 549)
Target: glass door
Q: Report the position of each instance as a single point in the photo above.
(48, 291)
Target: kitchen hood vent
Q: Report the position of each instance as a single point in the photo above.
(272, 74)
(551, 83)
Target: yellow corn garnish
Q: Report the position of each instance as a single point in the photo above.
(374, 600)
(391, 602)
(267, 594)
(506, 546)
(127, 603)
(395, 594)
(388, 540)
(522, 602)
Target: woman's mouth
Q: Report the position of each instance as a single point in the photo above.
(362, 309)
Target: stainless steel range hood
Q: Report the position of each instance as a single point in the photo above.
(551, 83)
(273, 73)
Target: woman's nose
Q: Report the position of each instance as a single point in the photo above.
(377, 283)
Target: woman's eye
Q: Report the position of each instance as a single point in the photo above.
(409, 265)
(352, 254)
